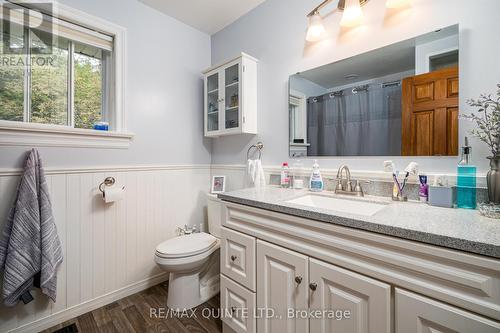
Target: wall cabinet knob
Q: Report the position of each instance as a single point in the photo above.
(313, 286)
(233, 257)
(298, 279)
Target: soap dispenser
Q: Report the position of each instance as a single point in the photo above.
(466, 180)
(316, 181)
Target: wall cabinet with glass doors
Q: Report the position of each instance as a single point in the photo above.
(231, 97)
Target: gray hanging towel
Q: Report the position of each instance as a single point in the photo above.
(30, 249)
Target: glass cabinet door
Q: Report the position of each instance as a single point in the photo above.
(232, 96)
(213, 102)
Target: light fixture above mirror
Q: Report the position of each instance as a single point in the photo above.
(352, 16)
(315, 27)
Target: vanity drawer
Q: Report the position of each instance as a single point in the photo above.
(415, 313)
(238, 257)
(238, 306)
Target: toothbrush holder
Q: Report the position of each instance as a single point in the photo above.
(400, 197)
(397, 191)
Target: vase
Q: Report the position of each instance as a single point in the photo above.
(493, 180)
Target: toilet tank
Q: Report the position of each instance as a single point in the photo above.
(214, 207)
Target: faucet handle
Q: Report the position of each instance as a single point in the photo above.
(358, 189)
(339, 186)
(348, 186)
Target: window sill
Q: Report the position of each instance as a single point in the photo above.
(41, 135)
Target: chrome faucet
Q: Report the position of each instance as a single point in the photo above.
(340, 189)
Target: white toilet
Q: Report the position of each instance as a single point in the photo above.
(193, 262)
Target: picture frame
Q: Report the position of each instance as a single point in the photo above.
(218, 184)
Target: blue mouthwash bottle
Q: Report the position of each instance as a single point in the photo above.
(466, 180)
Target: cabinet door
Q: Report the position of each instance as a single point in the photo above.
(212, 102)
(232, 94)
(418, 314)
(354, 303)
(282, 284)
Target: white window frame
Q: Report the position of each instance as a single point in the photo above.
(302, 115)
(14, 133)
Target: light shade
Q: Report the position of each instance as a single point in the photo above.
(397, 3)
(315, 28)
(353, 15)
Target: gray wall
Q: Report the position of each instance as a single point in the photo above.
(164, 95)
(275, 31)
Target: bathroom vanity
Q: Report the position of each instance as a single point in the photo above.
(368, 265)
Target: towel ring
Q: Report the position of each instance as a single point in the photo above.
(259, 146)
(109, 181)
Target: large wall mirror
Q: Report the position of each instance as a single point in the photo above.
(399, 100)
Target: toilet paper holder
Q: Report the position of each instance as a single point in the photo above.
(108, 181)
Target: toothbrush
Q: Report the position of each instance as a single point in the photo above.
(412, 168)
(396, 181)
(389, 166)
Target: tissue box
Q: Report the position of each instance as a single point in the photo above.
(442, 196)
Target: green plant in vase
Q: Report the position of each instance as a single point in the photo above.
(487, 119)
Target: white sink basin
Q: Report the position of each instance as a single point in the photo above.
(358, 207)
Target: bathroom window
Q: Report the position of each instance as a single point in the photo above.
(55, 71)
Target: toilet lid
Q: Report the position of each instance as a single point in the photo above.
(188, 245)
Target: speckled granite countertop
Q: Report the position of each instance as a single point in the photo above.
(458, 229)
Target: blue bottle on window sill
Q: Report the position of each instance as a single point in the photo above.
(101, 126)
(466, 180)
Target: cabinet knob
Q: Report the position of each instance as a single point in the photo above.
(298, 279)
(313, 286)
(233, 257)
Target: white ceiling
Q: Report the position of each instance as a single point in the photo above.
(208, 16)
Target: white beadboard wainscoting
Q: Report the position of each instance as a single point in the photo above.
(108, 248)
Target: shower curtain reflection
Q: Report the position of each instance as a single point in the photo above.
(355, 122)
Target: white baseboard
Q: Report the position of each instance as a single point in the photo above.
(77, 310)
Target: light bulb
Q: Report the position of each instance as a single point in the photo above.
(392, 4)
(315, 29)
(353, 15)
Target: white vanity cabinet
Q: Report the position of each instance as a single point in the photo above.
(386, 284)
(230, 97)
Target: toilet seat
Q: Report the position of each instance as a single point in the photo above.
(186, 246)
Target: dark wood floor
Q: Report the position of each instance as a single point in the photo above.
(132, 314)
